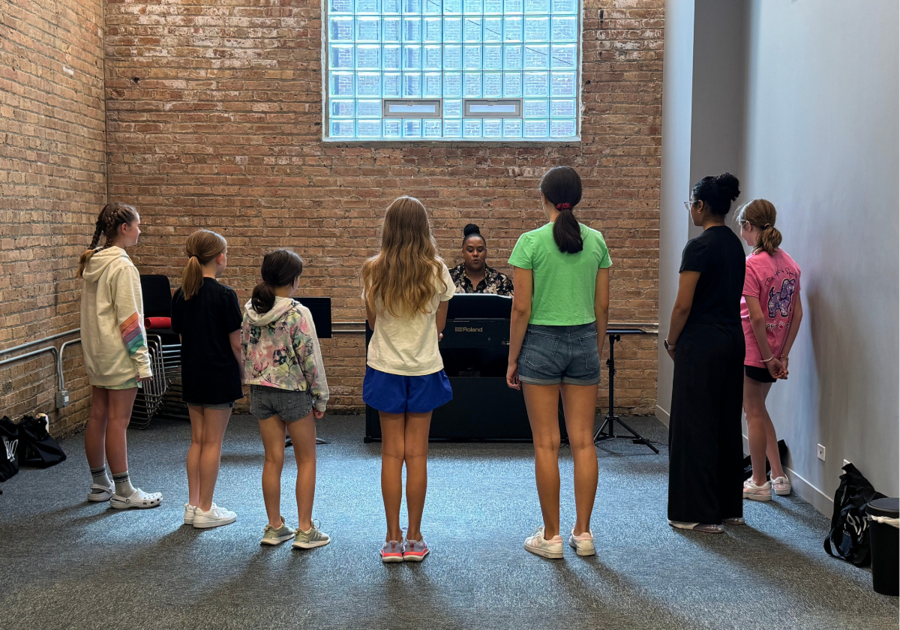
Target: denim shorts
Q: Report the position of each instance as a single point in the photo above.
(395, 393)
(560, 354)
(288, 405)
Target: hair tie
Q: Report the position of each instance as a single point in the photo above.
(563, 206)
(767, 226)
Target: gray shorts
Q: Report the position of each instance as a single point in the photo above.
(228, 405)
(288, 405)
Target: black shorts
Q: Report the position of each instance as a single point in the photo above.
(758, 374)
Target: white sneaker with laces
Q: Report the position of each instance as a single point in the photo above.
(538, 545)
(189, 512)
(215, 517)
(582, 543)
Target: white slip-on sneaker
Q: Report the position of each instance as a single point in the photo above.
(538, 545)
(757, 493)
(189, 512)
(215, 517)
(782, 486)
(582, 543)
(139, 499)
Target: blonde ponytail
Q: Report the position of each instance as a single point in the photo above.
(761, 213)
(201, 247)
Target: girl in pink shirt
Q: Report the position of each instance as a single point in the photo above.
(771, 314)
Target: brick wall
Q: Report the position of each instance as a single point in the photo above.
(214, 112)
(52, 184)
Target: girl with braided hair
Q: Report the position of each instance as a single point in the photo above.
(116, 358)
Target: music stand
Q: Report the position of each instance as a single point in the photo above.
(320, 308)
(611, 417)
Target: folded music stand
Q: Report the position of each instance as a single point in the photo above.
(320, 309)
(604, 433)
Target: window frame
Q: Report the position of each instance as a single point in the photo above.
(326, 99)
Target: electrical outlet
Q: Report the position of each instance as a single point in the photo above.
(820, 452)
(62, 399)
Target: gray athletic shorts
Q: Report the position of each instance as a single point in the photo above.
(288, 405)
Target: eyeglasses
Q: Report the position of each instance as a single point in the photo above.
(688, 205)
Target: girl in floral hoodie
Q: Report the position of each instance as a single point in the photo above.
(283, 366)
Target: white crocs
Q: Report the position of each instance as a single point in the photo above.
(99, 494)
(139, 499)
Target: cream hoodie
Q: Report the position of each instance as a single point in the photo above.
(112, 323)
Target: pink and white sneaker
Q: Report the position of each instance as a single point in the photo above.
(782, 486)
(392, 551)
(415, 550)
(757, 493)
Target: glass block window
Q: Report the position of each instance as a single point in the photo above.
(464, 54)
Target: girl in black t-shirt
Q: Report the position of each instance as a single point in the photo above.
(705, 444)
(208, 317)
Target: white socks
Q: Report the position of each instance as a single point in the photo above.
(123, 484)
(100, 477)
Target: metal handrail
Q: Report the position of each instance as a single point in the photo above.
(34, 343)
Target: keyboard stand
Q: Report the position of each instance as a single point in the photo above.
(607, 430)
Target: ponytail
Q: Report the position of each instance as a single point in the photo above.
(761, 213)
(191, 278)
(561, 186)
(279, 269)
(202, 247)
(111, 217)
(263, 298)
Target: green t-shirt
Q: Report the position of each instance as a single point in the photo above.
(564, 284)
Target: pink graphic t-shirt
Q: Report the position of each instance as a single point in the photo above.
(775, 281)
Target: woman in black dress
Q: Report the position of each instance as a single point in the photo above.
(706, 342)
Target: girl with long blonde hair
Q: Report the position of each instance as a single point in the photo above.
(406, 288)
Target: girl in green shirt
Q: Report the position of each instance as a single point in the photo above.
(558, 327)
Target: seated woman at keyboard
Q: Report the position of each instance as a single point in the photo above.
(473, 275)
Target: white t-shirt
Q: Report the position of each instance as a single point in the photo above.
(408, 346)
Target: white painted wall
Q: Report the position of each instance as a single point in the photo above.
(822, 145)
(811, 125)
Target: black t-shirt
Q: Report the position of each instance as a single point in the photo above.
(718, 256)
(210, 373)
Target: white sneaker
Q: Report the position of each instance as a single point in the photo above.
(189, 512)
(782, 486)
(216, 517)
(582, 543)
(538, 545)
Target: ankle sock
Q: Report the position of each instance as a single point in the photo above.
(123, 484)
(100, 477)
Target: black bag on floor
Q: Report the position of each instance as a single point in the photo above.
(9, 446)
(36, 448)
(849, 526)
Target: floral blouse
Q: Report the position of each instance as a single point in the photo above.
(284, 353)
(494, 281)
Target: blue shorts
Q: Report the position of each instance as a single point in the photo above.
(393, 393)
(560, 354)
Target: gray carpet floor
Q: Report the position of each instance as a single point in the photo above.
(66, 563)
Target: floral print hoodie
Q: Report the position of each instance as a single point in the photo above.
(281, 350)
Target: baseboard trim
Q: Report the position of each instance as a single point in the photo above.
(804, 489)
(662, 415)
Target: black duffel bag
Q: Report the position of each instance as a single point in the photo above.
(849, 535)
(9, 446)
(36, 448)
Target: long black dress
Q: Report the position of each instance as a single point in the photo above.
(705, 444)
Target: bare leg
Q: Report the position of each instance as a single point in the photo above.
(121, 402)
(580, 405)
(303, 436)
(95, 432)
(393, 430)
(215, 421)
(755, 409)
(272, 432)
(416, 457)
(193, 455)
(542, 401)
